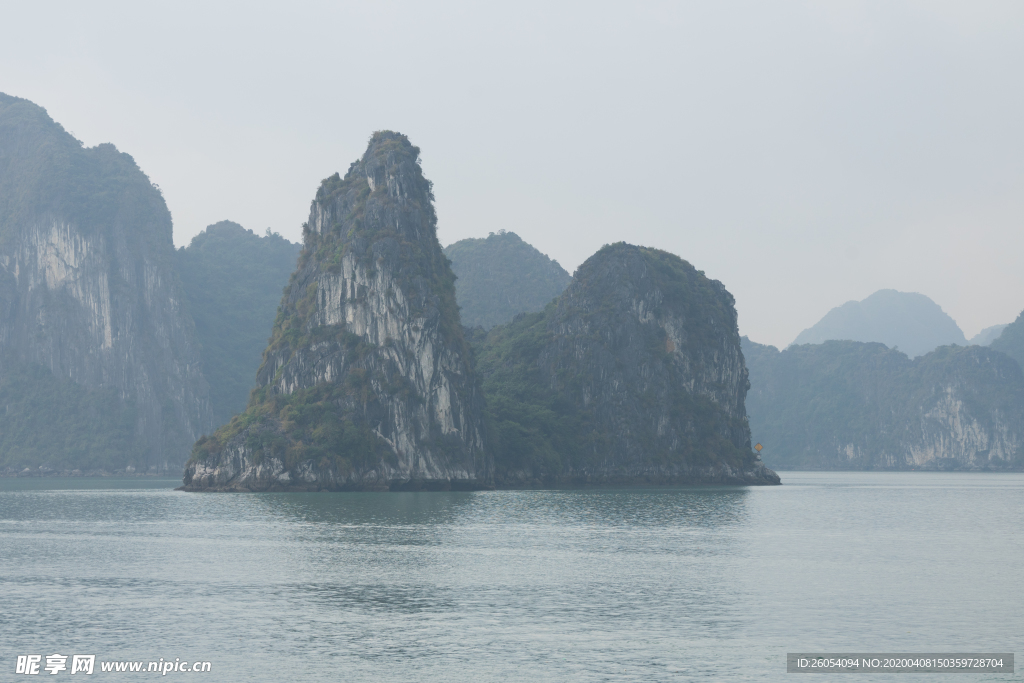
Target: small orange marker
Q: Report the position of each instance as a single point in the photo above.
(758, 448)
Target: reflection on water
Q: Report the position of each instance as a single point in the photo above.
(368, 509)
(601, 507)
(649, 584)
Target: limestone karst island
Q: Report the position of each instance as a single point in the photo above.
(391, 363)
(633, 374)
(447, 342)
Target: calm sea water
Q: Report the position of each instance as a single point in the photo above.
(637, 585)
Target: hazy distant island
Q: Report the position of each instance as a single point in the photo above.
(843, 405)
(232, 280)
(633, 375)
(500, 276)
(1011, 340)
(908, 321)
(890, 383)
(987, 335)
(389, 363)
(99, 365)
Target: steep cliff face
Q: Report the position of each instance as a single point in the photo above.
(633, 375)
(367, 381)
(88, 295)
(852, 405)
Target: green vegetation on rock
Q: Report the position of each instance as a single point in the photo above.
(500, 276)
(233, 281)
(44, 171)
(99, 366)
(532, 428)
(54, 424)
(634, 374)
(366, 382)
(1011, 340)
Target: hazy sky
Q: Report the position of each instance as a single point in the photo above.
(804, 154)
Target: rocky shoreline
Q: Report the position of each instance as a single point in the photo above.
(243, 473)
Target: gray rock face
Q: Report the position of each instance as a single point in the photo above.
(639, 377)
(852, 406)
(86, 286)
(367, 382)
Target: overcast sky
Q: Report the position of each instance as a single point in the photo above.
(805, 154)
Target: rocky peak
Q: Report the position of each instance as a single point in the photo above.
(390, 175)
(633, 375)
(688, 318)
(367, 380)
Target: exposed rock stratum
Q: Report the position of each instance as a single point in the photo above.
(367, 383)
(99, 366)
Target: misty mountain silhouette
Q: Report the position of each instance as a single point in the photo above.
(987, 335)
(907, 320)
(500, 276)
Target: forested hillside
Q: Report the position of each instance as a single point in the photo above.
(633, 375)
(500, 276)
(99, 367)
(855, 405)
(1011, 341)
(233, 281)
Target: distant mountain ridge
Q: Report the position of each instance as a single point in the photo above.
(1011, 340)
(500, 276)
(987, 335)
(909, 321)
(845, 405)
(233, 279)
